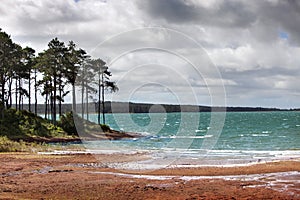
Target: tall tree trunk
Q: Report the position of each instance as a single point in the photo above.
(82, 99)
(59, 105)
(99, 100)
(10, 93)
(22, 102)
(20, 95)
(16, 94)
(51, 106)
(87, 103)
(60, 88)
(3, 92)
(29, 92)
(46, 106)
(2, 104)
(73, 98)
(54, 99)
(49, 111)
(103, 106)
(35, 91)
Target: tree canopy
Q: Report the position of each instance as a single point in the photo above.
(48, 74)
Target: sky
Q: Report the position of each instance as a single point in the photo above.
(214, 52)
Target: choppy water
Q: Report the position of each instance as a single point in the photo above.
(204, 138)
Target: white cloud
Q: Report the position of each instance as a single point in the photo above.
(254, 44)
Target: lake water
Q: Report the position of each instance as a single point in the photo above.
(206, 138)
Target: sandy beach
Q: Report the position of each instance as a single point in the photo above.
(82, 176)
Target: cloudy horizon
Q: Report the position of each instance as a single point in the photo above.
(193, 51)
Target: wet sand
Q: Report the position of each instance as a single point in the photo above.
(33, 176)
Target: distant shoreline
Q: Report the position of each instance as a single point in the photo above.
(129, 107)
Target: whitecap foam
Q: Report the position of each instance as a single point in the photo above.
(266, 132)
(144, 133)
(260, 135)
(186, 137)
(200, 131)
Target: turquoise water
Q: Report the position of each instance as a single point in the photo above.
(241, 130)
(242, 137)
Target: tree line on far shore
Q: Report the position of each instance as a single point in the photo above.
(48, 74)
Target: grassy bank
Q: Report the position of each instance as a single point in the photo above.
(24, 131)
(24, 125)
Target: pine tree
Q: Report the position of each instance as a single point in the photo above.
(10, 55)
(75, 59)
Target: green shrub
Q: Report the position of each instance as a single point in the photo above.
(7, 145)
(105, 128)
(66, 122)
(23, 124)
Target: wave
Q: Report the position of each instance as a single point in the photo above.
(186, 137)
(200, 130)
(260, 135)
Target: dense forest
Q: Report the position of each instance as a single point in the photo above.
(130, 107)
(24, 75)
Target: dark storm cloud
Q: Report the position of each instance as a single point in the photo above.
(259, 72)
(264, 18)
(228, 13)
(47, 14)
(262, 79)
(285, 15)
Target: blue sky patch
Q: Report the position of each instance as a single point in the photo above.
(283, 35)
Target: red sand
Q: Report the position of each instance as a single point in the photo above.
(31, 176)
